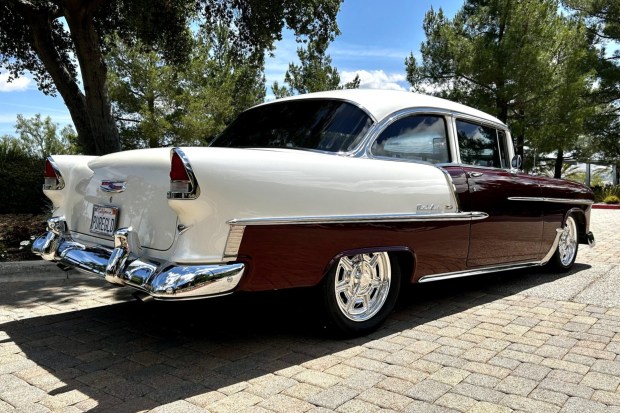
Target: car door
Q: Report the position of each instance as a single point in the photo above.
(513, 230)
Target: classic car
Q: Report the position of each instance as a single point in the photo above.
(353, 192)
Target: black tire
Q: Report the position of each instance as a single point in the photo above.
(352, 315)
(568, 246)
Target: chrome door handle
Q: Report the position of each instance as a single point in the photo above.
(474, 174)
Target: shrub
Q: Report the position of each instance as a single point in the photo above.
(21, 184)
(611, 199)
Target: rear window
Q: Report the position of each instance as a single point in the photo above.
(317, 124)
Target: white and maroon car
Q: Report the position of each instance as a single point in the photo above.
(357, 192)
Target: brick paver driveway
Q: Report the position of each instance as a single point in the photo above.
(514, 341)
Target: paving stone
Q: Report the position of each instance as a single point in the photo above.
(601, 381)
(333, 397)
(385, 399)
(363, 380)
(486, 407)
(478, 392)
(317, 378)
(516, 402)
(578, 405)
(456, 402)
(284, 404)
(357, 406)
(450, 375)
(428, 390)
(566, 388)
(516, 385)
(549, 396)
(418, 406)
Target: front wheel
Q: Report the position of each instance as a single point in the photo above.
(565, 254)
(360, 291)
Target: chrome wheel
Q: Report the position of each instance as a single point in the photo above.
(567, 247)
(361, 285)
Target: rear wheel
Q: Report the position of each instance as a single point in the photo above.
(565, 254)
(360, 291)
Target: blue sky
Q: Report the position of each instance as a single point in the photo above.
(374, 43)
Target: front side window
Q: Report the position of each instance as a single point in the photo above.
(315, 124)
(416, 138)
(481, 145)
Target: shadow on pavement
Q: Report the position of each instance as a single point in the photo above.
(117, 354)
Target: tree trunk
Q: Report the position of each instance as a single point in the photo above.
(43, 44)
(90, 111)
(559, 160)
(94, 77)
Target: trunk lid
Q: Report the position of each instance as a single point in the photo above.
(135, 184)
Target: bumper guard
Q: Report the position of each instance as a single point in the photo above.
(125, 264)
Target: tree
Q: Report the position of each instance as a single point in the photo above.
(519, 60)
(39, 138)
(159, 104)
(603, 23)
(315, 73)
(51, 38)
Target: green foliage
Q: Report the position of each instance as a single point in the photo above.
(315, 73)
(603, 129)
(519, 60)
(48, 38)
(21, 183)
(159, 104)
(611, 199)
(40, 138)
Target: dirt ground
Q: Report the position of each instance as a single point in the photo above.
(16, 232)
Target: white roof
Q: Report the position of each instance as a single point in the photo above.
(381, 103)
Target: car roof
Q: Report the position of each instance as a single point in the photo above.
(381, 103)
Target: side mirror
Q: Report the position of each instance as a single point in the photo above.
(516, 162)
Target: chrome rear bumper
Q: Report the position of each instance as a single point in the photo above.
(125, 264)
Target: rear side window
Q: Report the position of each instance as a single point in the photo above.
(314, 124)
(481, 145)
(416, 138)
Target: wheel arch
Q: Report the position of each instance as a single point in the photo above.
(580, 219)
(405, 257)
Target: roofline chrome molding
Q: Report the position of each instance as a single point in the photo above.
(552, 200)
(361, 219)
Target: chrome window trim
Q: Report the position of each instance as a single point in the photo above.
(402, 114)
(551, 200)
(360, 219)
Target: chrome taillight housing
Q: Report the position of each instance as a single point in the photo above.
(183, 184)
(52, 178)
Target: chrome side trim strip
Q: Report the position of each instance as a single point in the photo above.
(362, 219)
(467, 273)
(553, 200)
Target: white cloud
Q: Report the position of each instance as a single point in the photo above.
(16, 85)
(376, 79)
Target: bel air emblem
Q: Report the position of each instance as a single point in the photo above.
(426, 208)
(113, 186)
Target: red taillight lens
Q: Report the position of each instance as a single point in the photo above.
(183, 183)
(49, 169)
(52, 178)
(177, 169)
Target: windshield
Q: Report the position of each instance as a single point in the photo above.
(317, 124)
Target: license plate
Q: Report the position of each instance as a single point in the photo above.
(104, 220)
